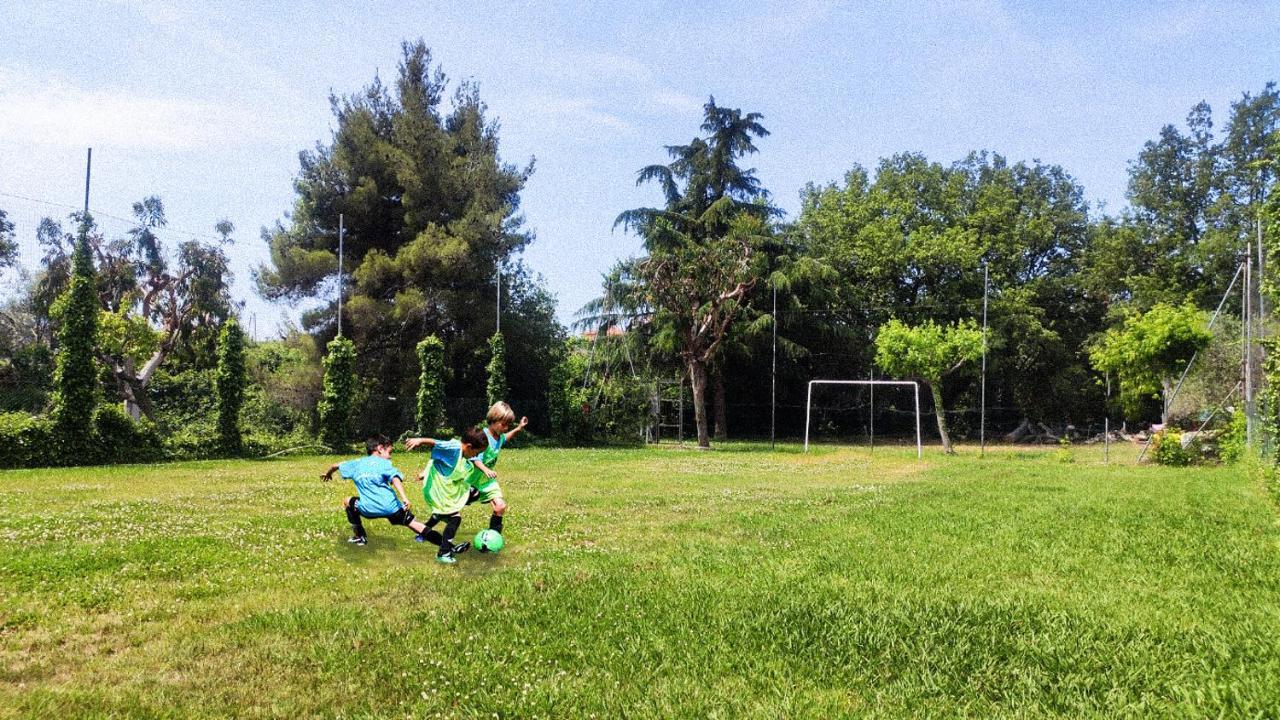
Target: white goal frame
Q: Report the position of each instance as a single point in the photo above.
(808, 405)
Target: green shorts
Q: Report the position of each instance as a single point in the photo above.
(486, 493)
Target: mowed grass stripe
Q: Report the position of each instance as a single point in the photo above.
(643, 583)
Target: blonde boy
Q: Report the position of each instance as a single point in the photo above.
(482, 479)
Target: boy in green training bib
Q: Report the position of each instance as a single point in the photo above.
(445, 488)
(482, 479)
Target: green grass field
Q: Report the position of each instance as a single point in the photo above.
(650, 583)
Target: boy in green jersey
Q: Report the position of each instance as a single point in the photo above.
(482, 479)
(445, 488)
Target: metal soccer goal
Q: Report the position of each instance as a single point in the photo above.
(808, 404)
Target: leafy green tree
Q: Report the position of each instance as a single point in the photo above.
(230, 385)
(911, 241)
(496, 369)
(430, 210)
(75, 393)
(339, 390)
(712, 205)
(429, 417)
(26, 359)
(928, 352)
(1194, 207)
(160, 303)
(697, 291)
(8, 246)
(1149, 351)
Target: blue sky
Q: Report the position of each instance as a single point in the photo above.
(208, 104)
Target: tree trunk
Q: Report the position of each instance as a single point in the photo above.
(936, 389)
(722, 426)
(131, 406)
(698, 379)
(1165, 398)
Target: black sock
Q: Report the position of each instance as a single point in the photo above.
(495, 523)
(432, 536)
(451, 524)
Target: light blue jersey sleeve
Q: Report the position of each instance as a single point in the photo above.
(348, 468)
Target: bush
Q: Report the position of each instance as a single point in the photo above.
(183, 398)
(1166, 449)
(119, 439)
(1231, 444)
(25, 441)
(193, 442)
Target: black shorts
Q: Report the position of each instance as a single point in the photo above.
(399, 517)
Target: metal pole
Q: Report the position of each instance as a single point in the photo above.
(88, 167)
(497, 319)
(919, 444)
(982, 422)
(680, 432)
(871, 417)
(773, 397)
(341, 234)
(808, 402)
(1248, 349)
(1106, 425)
(1262, 308)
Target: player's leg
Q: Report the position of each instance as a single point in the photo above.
(405, 518)
(447, 549)
(499, 507)
(492, 494)
(426, 534)
(358, 536)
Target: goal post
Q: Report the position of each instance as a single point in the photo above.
(808, 404)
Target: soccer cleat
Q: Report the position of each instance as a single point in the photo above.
(419, 538)
(447, 559)
(461, 548)
(358, 540)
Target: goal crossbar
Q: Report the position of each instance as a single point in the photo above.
(808, 404)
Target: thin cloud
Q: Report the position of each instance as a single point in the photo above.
(53, 112)
(678, 101)
(581, 113)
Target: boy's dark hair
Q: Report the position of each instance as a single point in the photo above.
(474, 438)
(373, 442)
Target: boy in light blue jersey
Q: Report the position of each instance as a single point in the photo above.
(482, 478)
(379, 488)
(445, 488)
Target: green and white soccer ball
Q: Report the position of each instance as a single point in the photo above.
(488, 541)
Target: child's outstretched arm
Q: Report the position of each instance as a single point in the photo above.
(512, 433)
(328, 474)
(489, 473)
(412, 443)
(399, 487)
